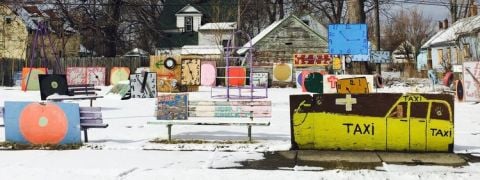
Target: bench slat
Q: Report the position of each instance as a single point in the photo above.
(91, 115)
(91, 121)
(91, 125)
(218, 123)
(227, 114)
(90, 109)
(229, 111)
(229, 103)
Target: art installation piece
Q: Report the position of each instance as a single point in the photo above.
(299, 79)
(380, 122)
(86, 75)
(143, 85)
(260, 79)
(30, 78)
(142, 70)
(337, 63)
(330, 82)
(307, 60)
(259, 109)
(459, 92)
(168, 72)
(96, 75)
(362, 57)
(119, 74)
(37, 123)
(237, 76)
(471, 83)
(282, 72)
(76, 75)
(313, 82)
(208, 73)
(172, 106)
(358, 85)
(382, 57)
(52, 84)
(347, 39)
(190, 72)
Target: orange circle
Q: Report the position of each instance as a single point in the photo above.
(282, 72)
(43, 124)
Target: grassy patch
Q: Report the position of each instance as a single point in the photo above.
(15, 146)
(193, 141)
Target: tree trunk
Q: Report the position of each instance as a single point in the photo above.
(112, 27)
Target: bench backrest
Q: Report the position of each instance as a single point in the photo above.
(256, 109)
(83, 89)
(91, 115)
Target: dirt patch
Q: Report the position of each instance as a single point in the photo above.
(15, 146)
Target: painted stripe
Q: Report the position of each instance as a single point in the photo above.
(230, 103)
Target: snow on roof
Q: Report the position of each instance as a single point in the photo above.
(189, 9)
(450, 34)
(260, 36)
(202, 50)
(220, 25)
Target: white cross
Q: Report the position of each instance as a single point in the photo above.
(348, 101)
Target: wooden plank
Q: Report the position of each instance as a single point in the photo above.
(1, 111)
(89, 125)
(217, 123)
(63, 97)
(229, 103)
(90, 109)
(91, 121)
(226, 114)
(229, 111)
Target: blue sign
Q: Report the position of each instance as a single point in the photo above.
(347, 39)
(363, 57)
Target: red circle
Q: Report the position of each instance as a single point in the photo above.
(43, 124)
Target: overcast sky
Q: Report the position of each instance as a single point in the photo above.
(437, 13)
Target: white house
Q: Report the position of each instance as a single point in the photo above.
(189, 19)
(216, 34)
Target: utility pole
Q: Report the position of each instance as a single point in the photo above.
(377, 32)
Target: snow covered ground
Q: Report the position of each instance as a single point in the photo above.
(123, 150)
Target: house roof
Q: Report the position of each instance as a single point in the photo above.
(219, 26)
(189, 9)
(269, 29)
(449, 35)
(202, 50)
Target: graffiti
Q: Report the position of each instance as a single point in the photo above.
(311, 60)
(86, 75)
(471, 76)
(229, 109)
(172, 106)
(383, 121)
(260, 79)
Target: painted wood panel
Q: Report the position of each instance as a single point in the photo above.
(142, 86)
(168, 80)
(30, 79)
(208, 73)
(471, 83)
(330, 82)
(172, 106)
(282, 72)
(119, 74)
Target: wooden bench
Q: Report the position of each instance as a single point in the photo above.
(78, 92)
(224, 113)
(91, 117)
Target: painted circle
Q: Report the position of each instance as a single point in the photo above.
(208, 75)
(170, 63)
(282, 72)
(300, 79)
(43, 124)
(119, 74)
(314, 83)
(237, 76)
(54, 84)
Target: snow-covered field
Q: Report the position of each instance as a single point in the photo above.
(123, 150)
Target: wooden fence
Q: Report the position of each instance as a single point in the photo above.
(10, 67)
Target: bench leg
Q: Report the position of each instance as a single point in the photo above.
(91, 103)
(169, 132)
(249, 133)
(85, 135)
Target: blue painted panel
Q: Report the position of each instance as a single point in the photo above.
(65, 115)
(347, 39)
(172, 106)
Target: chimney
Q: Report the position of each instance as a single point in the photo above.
(445, 23)
(440, 25)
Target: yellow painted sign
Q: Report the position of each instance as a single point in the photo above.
(358, 85)
(385, 122)
(337, 63)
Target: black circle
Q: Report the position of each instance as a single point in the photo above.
(169, 63)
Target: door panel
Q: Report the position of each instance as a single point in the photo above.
(418, 126)
(398, 129)
(440, 128)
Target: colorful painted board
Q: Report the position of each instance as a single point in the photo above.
(76, 75)
(119, 74)
(337, 63)
(313, 59)
(259, 109)
(260, 79)
(381, 122)
(282, 72)
(299, 79)
(32, 78)
(190, 72)
(52, 84)
(330, 82)
(357, 85)
(381, 57)
(347, 39)
(35, 123)
(168, 80)
(313, 82)
(141, 70)
(471, 84)
(142, 86)
(208, 73)
(236, 76)
(172, 106)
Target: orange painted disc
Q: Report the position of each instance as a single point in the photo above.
(43, 124)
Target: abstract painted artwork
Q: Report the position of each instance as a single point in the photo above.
(142, 86)
(36, 123)
(471, 83)
(208, 73)
(282, 72)
(86, 75)
(172, 106)
(119, 74)
(30, 78)
(236, 76)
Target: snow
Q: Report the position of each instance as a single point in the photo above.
(124, 151)
(450, 34)
(219, 26)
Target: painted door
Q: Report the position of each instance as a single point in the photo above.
(398, 128)
(440, 127)
(418, 125)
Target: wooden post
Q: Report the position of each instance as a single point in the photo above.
(249, 133)
(85, 134)
(169, 126)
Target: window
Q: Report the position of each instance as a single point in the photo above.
(419, 110)
(188, 23)
(400, 111)
(8, 19)
(466, 51)
(439, 111)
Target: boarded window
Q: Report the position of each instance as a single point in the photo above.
(419, 110)
(439, 111)
(466, 51)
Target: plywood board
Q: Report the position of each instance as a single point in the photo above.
(382, 122)
(30, 79)
(96, 75)
(168, 80)
(118, 74)
(76, 75)
(208, 73)
(260, 79)
(236, 76)
(172, 106)
(282, 72)
(311, 59)
(471, 84)
(142, 86)
(330, 81)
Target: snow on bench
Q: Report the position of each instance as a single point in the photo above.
(224, 113)
(78, 92)
(91, 117)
